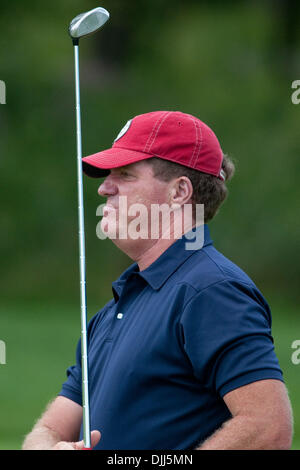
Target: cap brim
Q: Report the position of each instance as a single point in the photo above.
(99, 164)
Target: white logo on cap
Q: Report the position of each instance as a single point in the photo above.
(123, 130)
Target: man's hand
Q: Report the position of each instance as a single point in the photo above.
(59, 428)
(63, 445)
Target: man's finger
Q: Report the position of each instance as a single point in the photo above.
(63, 446)
(95, 438)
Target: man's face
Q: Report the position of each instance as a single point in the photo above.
(127, 189)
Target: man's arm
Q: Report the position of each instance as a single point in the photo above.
(261, 419)
(58, 428)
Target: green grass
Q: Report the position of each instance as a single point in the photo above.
(40, 344)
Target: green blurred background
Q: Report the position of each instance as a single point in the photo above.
(231, 63)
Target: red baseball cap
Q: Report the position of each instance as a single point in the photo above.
(170, 135)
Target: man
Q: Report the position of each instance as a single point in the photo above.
(182, 357)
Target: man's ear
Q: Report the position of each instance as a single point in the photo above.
(181, 191)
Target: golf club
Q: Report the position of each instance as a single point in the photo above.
(83, 25)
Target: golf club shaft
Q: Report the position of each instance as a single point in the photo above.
(84, 353)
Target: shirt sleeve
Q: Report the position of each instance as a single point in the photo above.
(227, 336)
(72, 387)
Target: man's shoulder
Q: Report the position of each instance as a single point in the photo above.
(208, 266)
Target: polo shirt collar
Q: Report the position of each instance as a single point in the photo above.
(170, 260)
(163, 267)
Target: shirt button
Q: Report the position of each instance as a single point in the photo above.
(119, 316)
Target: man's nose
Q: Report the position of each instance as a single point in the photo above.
(108, 187)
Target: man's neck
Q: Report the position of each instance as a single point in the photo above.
(144, 253)
(153, 253)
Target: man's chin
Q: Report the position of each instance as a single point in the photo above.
(108, 228)
(112, 230)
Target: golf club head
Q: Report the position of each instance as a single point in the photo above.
(88, 23)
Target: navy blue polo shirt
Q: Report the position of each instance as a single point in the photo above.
(173, 341)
